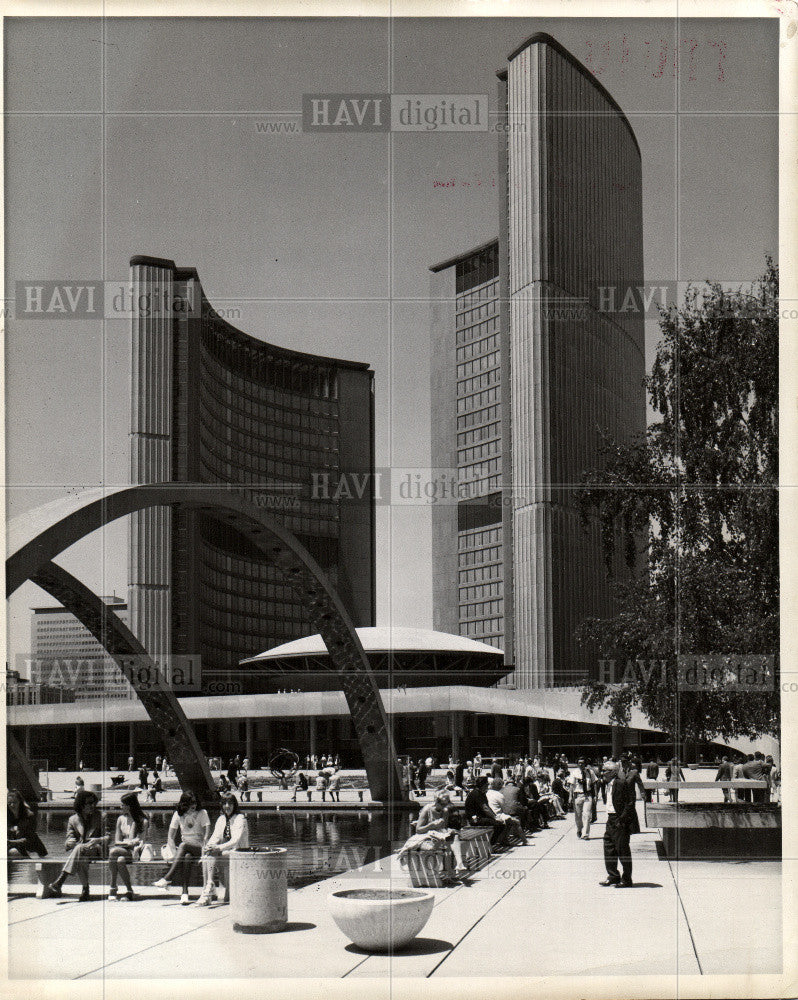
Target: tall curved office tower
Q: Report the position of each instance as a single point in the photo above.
(531, 368)
(212, 405)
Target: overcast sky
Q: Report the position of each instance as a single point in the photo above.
(141, 136)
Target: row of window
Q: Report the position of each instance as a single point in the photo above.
(480, 574)
(476, 315)
(481, 363)
(481, 629)
(483, 433)
(477, 347)
(489, 290)
(253, 356)
(477, 417)
(229, 465)
(318, 415)
(477, 539)
(482, 470)
(481, 609)
(257, 449)
(483, 381)
(477, 452)
(478, 331)
(478, 557)
(478, 399)
(480, 591)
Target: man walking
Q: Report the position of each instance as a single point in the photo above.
(725, 774)
(583, 790)
(622, 821)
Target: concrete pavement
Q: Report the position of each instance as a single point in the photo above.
(533, 911)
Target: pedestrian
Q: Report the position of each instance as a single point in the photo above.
(725, 774)
(130, 764)
(674, 773)
(583, 791)
(335, 786)
(423, 771)
(622, 822)
(652, 774)
(143, 773)
(322, 783)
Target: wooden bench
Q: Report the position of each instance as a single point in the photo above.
(433, 868)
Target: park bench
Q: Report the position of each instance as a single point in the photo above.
(695, 830)
(434, 867)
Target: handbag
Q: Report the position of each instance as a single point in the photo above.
(146, 853)
(167, 852)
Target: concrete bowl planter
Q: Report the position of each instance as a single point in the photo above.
(380, 919)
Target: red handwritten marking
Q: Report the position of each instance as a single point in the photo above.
(661, 54)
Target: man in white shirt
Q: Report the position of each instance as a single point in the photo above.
(583, 790)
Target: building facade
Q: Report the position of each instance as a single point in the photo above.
(213, 405)
(66, 657)
(531, 372)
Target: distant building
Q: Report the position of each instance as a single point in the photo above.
(65, 655)
(529, 369)
(212, 405)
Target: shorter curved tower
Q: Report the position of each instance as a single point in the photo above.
(212, 405)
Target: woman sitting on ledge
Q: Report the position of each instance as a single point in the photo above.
(193, 824)
(435, 825)
(132, 830)
(21, 828)
(85, 839)
(231, 833)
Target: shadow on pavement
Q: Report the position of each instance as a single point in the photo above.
(420, 946)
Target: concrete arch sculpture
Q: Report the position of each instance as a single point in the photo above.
(31, 559)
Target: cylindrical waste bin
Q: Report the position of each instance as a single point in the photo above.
(97, 788)
(259, 889)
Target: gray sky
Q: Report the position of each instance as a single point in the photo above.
(140, 136)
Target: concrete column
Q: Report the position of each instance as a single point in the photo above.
(533, 736)
(455, 728)
(131, 742)
(248, 739)
(78, 745)
(312, 734)
(27, 741)
(617, 740)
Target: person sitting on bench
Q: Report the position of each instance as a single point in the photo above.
(132, 829)
(21, 836)
(193, 824)
(231, 833)
(436, 824)
(85, 839)
(513, 827)
(478, 811)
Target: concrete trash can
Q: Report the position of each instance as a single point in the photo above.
(259, 889)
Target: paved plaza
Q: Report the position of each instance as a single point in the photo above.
(533, 911)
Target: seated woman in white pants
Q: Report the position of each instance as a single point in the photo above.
(231, 833)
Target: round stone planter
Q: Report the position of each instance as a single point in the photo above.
(380, 919)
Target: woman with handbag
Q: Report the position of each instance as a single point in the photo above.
(194, 824)
(130, 840)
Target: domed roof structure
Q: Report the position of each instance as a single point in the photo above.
(400, 656)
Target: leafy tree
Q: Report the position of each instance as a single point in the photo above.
(692, 506)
